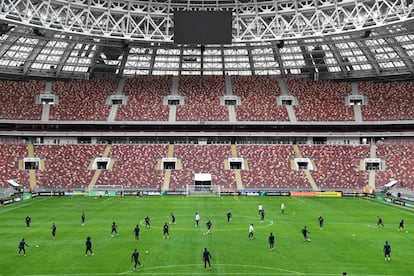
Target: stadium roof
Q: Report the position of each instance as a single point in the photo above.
(329, 39)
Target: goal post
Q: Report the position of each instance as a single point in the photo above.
(202, 190)
(106, 190)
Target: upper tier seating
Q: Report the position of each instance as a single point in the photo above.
(321, 100)
(258, 95)
(145, 99)
(387, 101)
(83, 100)
(17, 100)
(202, 102)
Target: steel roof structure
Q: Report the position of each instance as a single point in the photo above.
(330, 39)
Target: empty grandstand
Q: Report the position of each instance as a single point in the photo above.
(308, 96)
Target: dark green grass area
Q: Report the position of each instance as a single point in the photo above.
(351, 241)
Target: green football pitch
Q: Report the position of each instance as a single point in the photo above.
(350, 241)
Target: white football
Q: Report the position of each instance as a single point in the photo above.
(37, 245)
(147, 251)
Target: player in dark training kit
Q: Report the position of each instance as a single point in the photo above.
(22, 245)
(28, 220)
(206, 258)
(83, 218)
(320, 219)
(380, 223)
(172, 218)
(136, 233)
(229, 216)
(305, 233)
(387, 251)
(209, 224)
(271, 241)
(54, 230)
(147, 222)
(114, 229)
(401, 225)
(166, 231)
(88, 245)
(135, 259)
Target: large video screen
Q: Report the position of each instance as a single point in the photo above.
(202, 27)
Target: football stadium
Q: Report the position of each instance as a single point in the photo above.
(206, 137)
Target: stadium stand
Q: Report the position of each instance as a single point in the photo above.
(399, 164)
(145, 99)
(17, 99)
(9, 164)
(202, 102)
(202, 159)
(82, 100)
(387, 101)
(66, 166)
(258, 95)
(321, 100)
(337, 166)
(270, 166)
(135, 166)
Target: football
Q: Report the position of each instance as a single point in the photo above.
(147, 251)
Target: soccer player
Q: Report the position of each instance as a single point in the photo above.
(320, 219)
(135, 259)
(22, 245)
(380, 223)
(114, 229)
(206, 258)
(260, 207)
(147, 222)
(262, 215)
(28, 220)
(305, 233)
(54, 230)
(387, 251)
(251, 231)
(271, 241)
(136, 233)
(209, 224)
(172, 218)
(282, 208)
(166, 232)
(229, 216)
(88, 245)
(197, 219)
(401, 225)
(83, 218)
